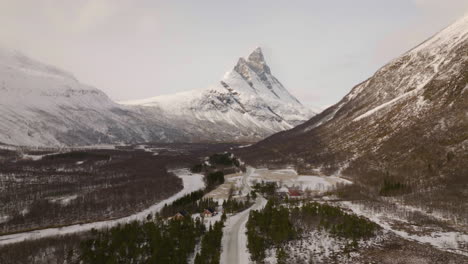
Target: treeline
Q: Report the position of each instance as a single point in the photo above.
(232, 206)
(276, 224)
(158, 241)
(267, 228)
(191, 203)
(210, 252)
(268, 189)
(312, 215)
(393, 188)
(214, 179)
(225, 159)
(218, 161)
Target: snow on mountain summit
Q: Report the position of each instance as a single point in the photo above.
(249, 103)
(41, 105)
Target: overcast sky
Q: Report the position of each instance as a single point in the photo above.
(134, 49)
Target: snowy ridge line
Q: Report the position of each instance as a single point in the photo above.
(191, 182)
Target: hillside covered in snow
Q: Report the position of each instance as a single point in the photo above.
(248, 104)
(41, 105)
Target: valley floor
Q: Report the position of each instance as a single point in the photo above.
(191, 182)
(401, 238)
(395, 242)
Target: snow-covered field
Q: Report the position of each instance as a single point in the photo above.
(290, 178)
(451, 241)
(191, 182)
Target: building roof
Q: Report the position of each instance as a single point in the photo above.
(294, 192)
(211, 210)
(183, 213)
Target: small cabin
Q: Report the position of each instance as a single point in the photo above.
(209, 212)
(180, 215)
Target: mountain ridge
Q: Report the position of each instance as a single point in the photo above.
(248, 98)
(42, 105)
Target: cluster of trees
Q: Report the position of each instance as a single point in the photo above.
(270, 227)
(210, 252)
(214, 179)
(158, 241)
(224, 159)
(391, 188)
(333, 219)
(197, 168)
(276, 224)
(191, 203)
(266, 188)
(217, 161)
(234, 206)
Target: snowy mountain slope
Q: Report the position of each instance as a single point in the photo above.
(248, 104)
(408, 122)
(41, 105)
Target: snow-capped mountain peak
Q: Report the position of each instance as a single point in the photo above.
(249, 102)
(256, 61)
(41, 105)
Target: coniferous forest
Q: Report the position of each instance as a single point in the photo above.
(276, 224)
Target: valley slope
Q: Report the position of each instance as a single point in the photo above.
(406, 124)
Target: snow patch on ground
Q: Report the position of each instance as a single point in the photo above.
(290, 178)
(63, 200)
(319, 246)
(4, 218)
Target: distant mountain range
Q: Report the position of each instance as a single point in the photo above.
(41, 105)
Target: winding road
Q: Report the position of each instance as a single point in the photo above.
(234, 243)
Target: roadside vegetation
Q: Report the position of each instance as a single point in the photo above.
(279, 223)
(191, 204)
(171, 235)
(210, 252)
(233, 206)
(158, 241)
